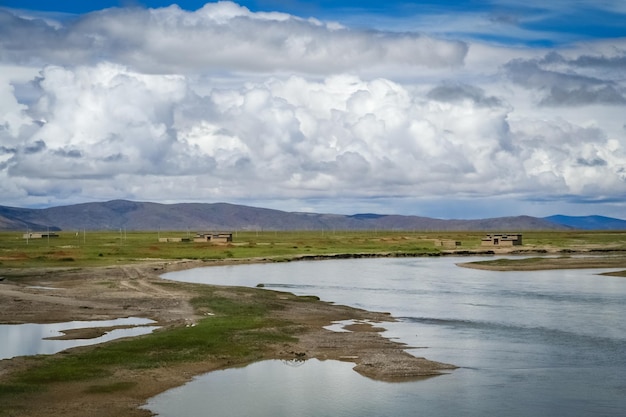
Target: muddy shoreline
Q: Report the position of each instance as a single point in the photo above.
(58, 295)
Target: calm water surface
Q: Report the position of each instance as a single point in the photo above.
(546, 343)
(33, 339)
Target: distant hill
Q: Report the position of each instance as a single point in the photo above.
(588, 222)
(131, 215)
(12, 218)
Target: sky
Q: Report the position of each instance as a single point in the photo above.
(446, 109)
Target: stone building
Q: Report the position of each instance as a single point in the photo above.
(502, 239)
(214, 237)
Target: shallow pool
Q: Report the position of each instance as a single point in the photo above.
(34, 339)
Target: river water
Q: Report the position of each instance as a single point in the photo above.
(543, 343)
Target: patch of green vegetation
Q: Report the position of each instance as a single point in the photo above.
(12, 389)
(68, 368)
(575, 239)
(309, 298)
(239, 330)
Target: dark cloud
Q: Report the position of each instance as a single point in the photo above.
(563, 87)
(460, 92)
(530, 73)
(587, 61)
(72, 153)
(114, 158)
(5, 150)
(583, 96)
(594, 162)
(618, 62)
(36, 147)
(577, 199)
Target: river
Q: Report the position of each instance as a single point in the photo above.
(541, 343)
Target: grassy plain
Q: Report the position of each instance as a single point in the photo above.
(105, 248)
(82, 249)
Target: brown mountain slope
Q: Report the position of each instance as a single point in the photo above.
(130, 215)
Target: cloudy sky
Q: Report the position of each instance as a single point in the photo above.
(448, 109)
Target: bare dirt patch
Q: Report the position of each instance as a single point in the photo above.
(86, 333)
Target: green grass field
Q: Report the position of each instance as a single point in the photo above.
(239, 330)
(105, 248)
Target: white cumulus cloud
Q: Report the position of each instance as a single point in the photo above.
(225, 104)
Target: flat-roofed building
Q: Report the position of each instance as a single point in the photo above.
(502, 239)
(220, 237)
(39, 235)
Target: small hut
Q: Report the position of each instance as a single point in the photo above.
(39, 235)
(217, 238)
(501, 239)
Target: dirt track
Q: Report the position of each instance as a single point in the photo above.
(53, 295)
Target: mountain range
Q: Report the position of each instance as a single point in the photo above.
(131, 215)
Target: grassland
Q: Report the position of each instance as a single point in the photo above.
(105, 248)
(237, 329)
(87, 249)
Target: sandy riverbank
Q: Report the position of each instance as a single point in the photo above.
(59, 295)
(581, 261)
